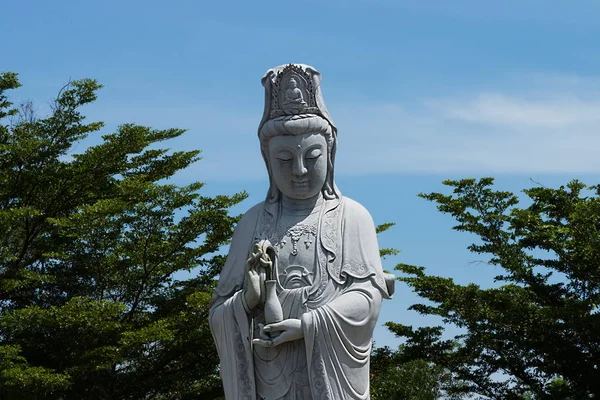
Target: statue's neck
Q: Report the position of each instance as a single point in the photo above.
(301, 207)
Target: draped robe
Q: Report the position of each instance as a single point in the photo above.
(338, 311)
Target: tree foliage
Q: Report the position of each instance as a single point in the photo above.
(396, 377)
(537, 334)
(90, 248)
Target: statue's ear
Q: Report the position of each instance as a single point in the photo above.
(273, 193)
(330, 190)
(265, 153)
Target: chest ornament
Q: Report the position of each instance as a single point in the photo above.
(295, 233)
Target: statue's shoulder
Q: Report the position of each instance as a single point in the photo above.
(354, 211)
(250, 217)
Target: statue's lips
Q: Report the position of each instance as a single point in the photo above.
(301, 183)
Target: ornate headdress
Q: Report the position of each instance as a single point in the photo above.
(292, 90)
(294, 105)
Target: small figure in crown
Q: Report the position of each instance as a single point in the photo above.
(293, 95)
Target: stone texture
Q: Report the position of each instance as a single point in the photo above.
(299, 295)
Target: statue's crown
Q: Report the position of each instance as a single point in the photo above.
(285, 98)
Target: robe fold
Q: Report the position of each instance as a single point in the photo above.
(338, 311)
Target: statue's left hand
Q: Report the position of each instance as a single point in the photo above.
(290, 329)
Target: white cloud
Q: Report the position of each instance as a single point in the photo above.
(550, 126)
(541, 131)
(500, 110)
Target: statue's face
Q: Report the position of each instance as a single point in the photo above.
(299, 164)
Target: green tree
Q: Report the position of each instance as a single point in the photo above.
(90, 307)
(537, 334)
(395, 377)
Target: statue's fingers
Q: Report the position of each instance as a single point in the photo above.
(256, 256)
(261, 332)
(250, 262)
(276, 327)
(264, 342)
(265, 263)
(282, 338)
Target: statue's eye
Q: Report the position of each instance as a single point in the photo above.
(284, 156)
(313, 154)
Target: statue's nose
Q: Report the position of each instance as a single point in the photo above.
(299, 168)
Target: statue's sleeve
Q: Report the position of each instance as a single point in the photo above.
(338, 335)
(338, 339)
(229, 319)
(360, 249)
(230, 326)
(231, 278)
(349, 239)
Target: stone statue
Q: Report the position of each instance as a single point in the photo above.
(299, 295)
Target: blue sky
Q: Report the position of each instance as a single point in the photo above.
(420, 91)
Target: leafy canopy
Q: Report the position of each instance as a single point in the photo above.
(536, 335)
(90, 247)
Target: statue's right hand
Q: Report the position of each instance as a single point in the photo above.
(253, 289)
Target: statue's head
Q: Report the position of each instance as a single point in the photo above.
(297, 144)
(293, 84)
